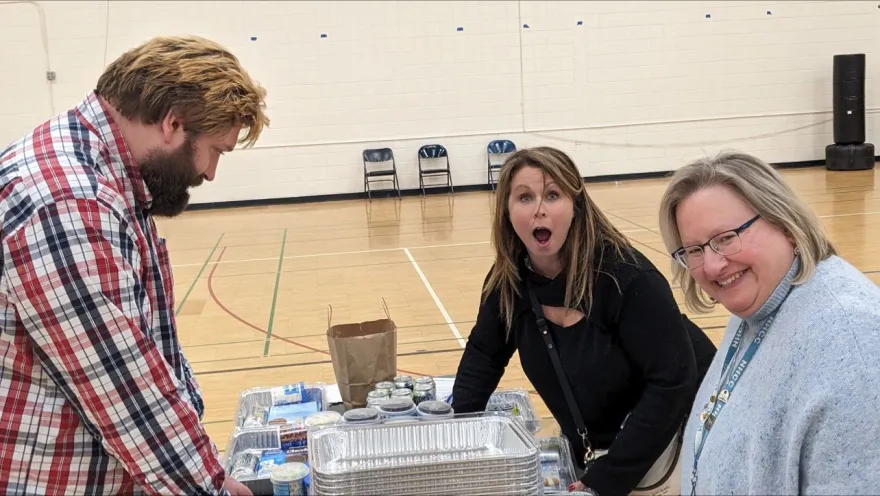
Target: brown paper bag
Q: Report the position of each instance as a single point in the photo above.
(363, 354)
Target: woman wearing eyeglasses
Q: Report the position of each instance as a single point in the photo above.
(789, 403)
(597, 329)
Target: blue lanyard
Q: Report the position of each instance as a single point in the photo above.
(717, 402)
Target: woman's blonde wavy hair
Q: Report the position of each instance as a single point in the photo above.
(764, 190)
(590, 230)
(201, 81)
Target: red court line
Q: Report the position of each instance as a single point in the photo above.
(264, 331)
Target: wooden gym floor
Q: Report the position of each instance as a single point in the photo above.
(253, 285)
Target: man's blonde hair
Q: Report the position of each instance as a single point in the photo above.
(201, 81)
(763, 189)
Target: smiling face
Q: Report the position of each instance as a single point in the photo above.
(743, 281)
(540, 214)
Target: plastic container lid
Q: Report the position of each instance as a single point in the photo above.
(323, 418)
(289, 472)
(361, 415)
(397, 405)
(502, 406)
(435, 408)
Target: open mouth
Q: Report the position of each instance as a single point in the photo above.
(542, 235)
(730, 281)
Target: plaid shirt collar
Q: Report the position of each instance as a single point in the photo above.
(124, 170)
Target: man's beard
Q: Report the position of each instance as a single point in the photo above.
(168, 176)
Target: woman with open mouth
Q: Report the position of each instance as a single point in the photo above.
(598, 331)
(789, 405)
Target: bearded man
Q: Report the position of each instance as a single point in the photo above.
(96, 394)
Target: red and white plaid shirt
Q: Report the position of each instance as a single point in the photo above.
(95, 393)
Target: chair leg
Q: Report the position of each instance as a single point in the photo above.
(422, 184)
(369, 190)
(397, 185)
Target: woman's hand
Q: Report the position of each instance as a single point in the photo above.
(580, 487)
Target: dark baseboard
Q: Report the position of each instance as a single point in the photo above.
(444, 190)
(376, 194)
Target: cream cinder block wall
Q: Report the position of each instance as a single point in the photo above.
(625, 87)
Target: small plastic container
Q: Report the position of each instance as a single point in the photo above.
(289, 479)
(398, 407)
(435, 410)
(323, 418)
(507, 407)
(361, 416)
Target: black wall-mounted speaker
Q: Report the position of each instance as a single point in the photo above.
(849, 99)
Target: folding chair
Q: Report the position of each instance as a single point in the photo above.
(375, 156)
(434, 153)
(496, 148)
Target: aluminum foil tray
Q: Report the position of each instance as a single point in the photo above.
(397, 448)
(520, 473)
(493, 486)
(424, 472)
(263, 395)
(520, 398)
(256, 439)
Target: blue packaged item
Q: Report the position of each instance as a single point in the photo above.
(294, 412)
(289, 394)
(271, 459)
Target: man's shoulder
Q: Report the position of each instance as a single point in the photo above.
(59, 161)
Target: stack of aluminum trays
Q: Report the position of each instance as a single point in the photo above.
(491, 453)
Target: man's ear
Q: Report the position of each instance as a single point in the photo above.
(171, 126)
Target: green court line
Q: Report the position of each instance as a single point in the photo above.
(275, 295)
(199, 275)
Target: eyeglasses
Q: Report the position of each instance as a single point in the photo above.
(725, 244)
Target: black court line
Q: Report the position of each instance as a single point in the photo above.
(317, 362)
(324, 362)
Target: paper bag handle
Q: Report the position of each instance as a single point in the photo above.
(385, 306)
(329, 315)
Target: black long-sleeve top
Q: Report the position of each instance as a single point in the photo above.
(637, 354)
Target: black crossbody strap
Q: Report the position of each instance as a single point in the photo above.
(560, 374)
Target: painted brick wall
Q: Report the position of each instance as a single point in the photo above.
(625, 87)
